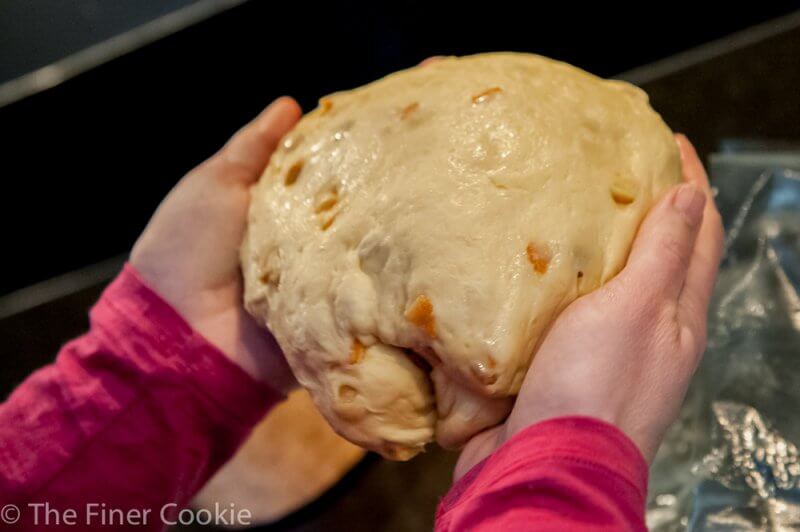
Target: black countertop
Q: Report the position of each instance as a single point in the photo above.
(747, 86)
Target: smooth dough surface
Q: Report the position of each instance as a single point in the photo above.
(442, 217)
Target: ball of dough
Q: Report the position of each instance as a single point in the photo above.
(411, 240)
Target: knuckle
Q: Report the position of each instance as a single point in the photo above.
(693, 338)
(664, 319)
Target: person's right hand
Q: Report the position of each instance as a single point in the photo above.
(625, 353)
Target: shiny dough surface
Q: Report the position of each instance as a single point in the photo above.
(411, 240)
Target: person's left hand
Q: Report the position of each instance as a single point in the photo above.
(189, 252)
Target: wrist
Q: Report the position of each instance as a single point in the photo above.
(250, 347)
(271, 370)
(222, 322)
(640, 436)
(157, 341)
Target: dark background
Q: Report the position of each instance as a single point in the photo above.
(85, 163)
(35, 33)
(88, 161)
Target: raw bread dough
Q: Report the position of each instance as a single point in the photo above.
(449, 212)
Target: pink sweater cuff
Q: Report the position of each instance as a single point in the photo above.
(157, 340)
(558, 444)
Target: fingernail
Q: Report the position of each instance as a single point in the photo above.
(690, 200)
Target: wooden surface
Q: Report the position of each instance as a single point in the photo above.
(290, 459)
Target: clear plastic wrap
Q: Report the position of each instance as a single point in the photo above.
(731, 461)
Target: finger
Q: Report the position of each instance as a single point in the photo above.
(693, 171)
(251, 147)
(659, 259)
(432, 59)
(704, 263)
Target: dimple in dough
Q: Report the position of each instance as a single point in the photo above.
(411, 240)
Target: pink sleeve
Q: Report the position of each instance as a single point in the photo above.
(136, 414)
(569, 473)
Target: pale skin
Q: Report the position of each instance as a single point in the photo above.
(624, 353)
(189, 251)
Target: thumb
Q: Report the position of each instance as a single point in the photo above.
(251, 147)
(663, 247)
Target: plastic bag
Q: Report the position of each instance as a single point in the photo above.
(731, 461)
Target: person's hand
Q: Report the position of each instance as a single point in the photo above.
(189, 252)
(625, 353)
